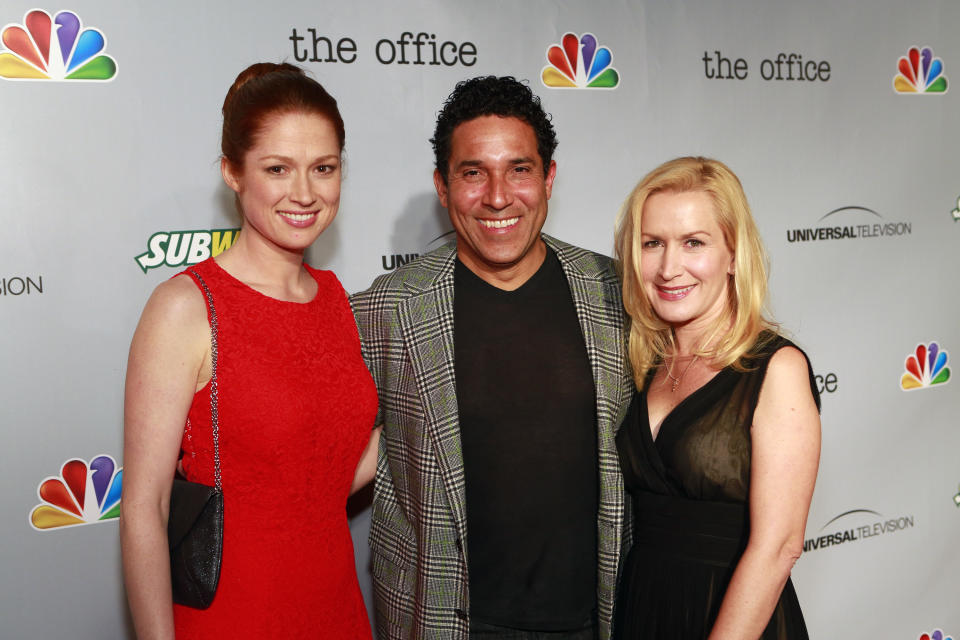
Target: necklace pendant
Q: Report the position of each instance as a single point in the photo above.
(677, 379)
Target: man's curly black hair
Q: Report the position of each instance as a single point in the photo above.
(491, 95)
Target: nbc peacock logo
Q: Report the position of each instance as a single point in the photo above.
(54, 48)
(82, 494)
(936, 635)
(579, 63)
(925, 367)
(920, 72)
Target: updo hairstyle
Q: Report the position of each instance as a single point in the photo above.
(266, 89)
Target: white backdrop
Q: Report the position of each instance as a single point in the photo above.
(854, 185)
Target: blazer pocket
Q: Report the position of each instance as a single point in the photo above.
(393, 554)
(397, 576)
(393, 589)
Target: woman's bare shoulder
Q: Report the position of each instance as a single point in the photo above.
(174, 318)
(786, 389)
(176, 302)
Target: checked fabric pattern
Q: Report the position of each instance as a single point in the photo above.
(418, 529)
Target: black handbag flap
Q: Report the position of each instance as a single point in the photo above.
(191, 499)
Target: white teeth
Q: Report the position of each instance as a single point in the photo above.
(297, 217)
(679, 291)
(499, 224)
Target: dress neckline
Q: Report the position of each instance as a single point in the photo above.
(670, 414)
(653, 446)
(244, 285)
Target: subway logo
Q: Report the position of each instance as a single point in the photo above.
(179, 248)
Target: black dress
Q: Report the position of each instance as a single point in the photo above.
(689, 493)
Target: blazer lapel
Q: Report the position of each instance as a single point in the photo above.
(426, 321)
(595, 293)
(603, 333)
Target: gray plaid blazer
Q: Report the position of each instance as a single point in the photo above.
(419, 528)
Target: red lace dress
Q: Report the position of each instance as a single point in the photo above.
(296, 408)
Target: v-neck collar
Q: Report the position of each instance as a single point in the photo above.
(654, 446)
(642, 456)
(693, 394)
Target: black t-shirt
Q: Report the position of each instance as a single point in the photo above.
(527, 408)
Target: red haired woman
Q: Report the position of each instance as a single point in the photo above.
(296, 404)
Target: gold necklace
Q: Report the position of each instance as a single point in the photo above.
(676, 381)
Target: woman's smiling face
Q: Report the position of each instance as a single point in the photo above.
(289, 184)
(685, 261)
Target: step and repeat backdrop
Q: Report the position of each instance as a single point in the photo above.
(839, 117)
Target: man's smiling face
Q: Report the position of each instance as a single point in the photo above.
(496, 193)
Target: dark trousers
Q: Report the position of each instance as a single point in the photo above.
(483, 631)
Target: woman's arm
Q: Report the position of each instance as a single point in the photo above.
(367, 467)
(169, 352)
(785, 457)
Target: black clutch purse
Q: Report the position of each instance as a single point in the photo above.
(195, 520)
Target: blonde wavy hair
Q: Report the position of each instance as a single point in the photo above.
(728, 341)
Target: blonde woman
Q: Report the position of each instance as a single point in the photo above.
(721, 445)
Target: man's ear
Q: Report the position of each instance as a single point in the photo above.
(230, 175)
(441, 185)
(548, 180)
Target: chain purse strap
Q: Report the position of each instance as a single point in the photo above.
(214, 413)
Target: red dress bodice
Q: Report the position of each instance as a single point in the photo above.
(296, 407)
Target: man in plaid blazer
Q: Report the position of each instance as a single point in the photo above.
(495, 172)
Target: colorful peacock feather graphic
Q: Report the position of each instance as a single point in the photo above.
(54, 48)
(936, 635)
(579, 63)
(925, 367)
(82, 494)
(920, 72)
